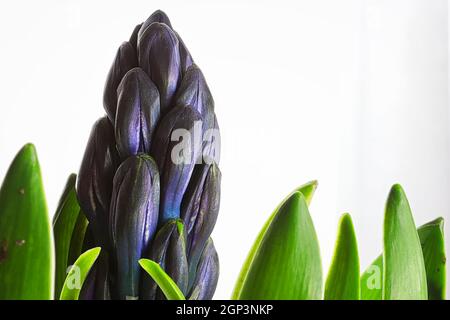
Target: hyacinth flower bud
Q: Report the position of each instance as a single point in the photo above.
(207, 274)
(176, 150)
(133, 220)
(211, 143)
(168, 249)
(194, 91)
(185, 57)
(134, 37)
(159, 17)
(137, 113)
(159, 57)
(199, 211)
(95, 177)
(97, 284)
(124, 61)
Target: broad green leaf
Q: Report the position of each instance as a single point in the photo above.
(162, 279)
(287, 263)
(372, 281)
(64, 222)
(343, 277)
(431, 237)
(78, 273)
(404, 275)
(307, 190)
(433, 246)
(26, 242)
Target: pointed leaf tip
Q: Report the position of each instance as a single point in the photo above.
(404, 275)
(290, 238)
(165, 283)
(307, 190)
(78, 274)
(26, 243)
(343, 277)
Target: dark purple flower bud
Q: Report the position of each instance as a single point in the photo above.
(168, 249)
(211, 143)
(87, 292)
(133, 219)
(124, 61)
(194, 91)
(207, 274)
(137, 113)
(199, 211)
(94, 183)
(134, 37)
(159, 17)
(96, 285)
(176, 148)
(159, 56)
(185, 57)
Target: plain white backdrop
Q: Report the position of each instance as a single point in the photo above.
(353, 93)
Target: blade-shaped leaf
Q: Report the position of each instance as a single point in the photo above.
(433, 247)
(308, 191)
(78, 273)
(63, 226)
(404, 275)
(165, 283)
(343, 277)
(372, 281)
(290, 239)
(26, 242)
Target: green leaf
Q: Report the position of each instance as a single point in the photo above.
(287, 263)
(78, 273)
(307, 190)
(162, 279)
(404, 275)
(26, 245)
(343, 277)
(372, 281)
(433, 246)
(64, 222)
(431, 237)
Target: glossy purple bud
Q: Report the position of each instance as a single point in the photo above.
(96, 285)
(159, 56)
(194, 91)
(211, 142)
(207, 274)
(159, 17)
(94, 183)
(133, 219)
(134, 37)
(185, 57)
(137, 113)
(176, 149)
(199, 211)
(168, 249)
(125, 60)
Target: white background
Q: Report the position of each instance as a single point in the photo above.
(352, 93)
